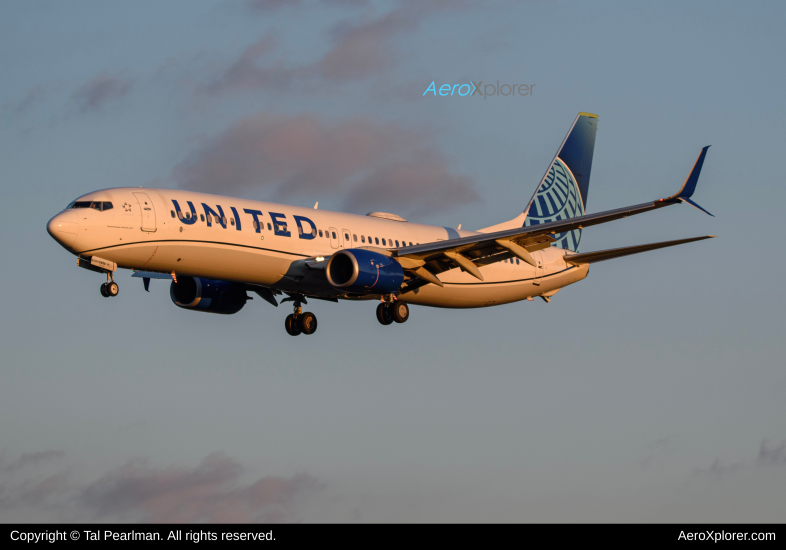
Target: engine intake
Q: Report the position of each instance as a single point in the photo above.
(363, 271)
(208, 295)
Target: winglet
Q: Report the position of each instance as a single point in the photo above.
(690, 184)
(686, 192)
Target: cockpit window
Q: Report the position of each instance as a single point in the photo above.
(96, 205)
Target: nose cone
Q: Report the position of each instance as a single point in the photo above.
(63, 227)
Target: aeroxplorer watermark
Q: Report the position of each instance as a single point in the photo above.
(478, 89)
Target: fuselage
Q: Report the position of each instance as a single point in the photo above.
(267, 244)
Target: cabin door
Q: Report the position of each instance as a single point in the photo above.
(148, 212)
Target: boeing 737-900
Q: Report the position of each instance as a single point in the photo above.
(216, 250)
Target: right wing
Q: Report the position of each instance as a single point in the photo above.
(468, 253)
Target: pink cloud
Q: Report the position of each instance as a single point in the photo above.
(371, 165)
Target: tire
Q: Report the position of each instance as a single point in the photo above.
(384, 315)
(112, 289)
(104, 291)
(292, 325)
(400, 312)
(308, 323)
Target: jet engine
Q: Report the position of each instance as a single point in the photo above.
(363, 271)
(208, 295)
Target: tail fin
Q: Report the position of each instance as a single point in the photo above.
(562, 192)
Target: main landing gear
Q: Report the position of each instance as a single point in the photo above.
(298, 322)
(109, 289)
(392, 310)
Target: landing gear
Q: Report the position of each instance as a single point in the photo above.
(308, 323)
(298, 322)
(292, 325)
(392, 310)
(109, 289)
(384, 314)
(400, 312)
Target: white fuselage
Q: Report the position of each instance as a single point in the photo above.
(271, 253)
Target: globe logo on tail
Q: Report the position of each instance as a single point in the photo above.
(558, 199)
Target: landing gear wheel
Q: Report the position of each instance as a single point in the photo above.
(104, 292)
(112, 289)
(292, 325)
(384, 314)
(308, 323)
(400, 312)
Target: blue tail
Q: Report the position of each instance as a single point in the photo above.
(562, 193)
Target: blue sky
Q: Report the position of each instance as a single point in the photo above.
(651, 391)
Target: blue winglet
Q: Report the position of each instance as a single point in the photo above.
(695, 205)
(686, 192)
(690, 184)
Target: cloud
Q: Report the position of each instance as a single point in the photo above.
(768, 456)
(102, 89)
(29, 459)
(771, 456)
(360, 47)
(270, 5)
(372, 166)
(205, 493)
(211, 491)
(718, 469)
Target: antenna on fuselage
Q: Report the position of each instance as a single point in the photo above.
(316, 205)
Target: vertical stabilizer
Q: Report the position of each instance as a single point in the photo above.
(562, 192)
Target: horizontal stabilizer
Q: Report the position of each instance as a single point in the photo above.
(603, 255)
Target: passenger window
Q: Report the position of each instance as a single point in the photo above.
(334, 234)
(269, 227)
(232, 221)
(256, 225)
(106, 206)
(517, 261)
(179, 214)
(410, 243)
(224, 220)
(362, 238)
(172, 212)
(299, 230)
(396, 243)
(188, 215)
(320, 232)
(202, 217)
(376, 239)
(355, 237)
(346, 237)
(383, 242)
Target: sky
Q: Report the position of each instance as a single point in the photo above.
(652, 391)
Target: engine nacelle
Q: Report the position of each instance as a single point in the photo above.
(207, 295)
(363, 271)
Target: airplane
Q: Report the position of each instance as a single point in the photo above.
(216, 249)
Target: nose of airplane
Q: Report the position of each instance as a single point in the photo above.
(63, 227)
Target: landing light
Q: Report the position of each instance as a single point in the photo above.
(320, 258)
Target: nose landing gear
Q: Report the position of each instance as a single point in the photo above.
(109, 289)
(298, 322)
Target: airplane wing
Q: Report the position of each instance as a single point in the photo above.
(468, 253)
(603, 255)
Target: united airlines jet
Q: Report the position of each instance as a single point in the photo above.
(216, 250)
